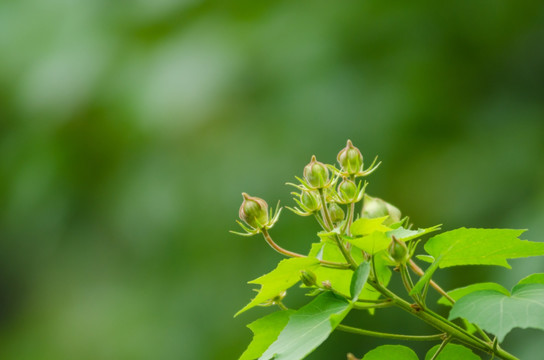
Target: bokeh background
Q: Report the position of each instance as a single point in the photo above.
(129, 129)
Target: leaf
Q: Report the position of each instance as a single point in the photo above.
(308, 328)
(390, 352)
(533, 279)
(371, 244)
(452, 352)
(460, 292)
(364, 226)
(359, 279)
(498, 313)
(265, 332)
(285, 275)
(426, 276)
(407, 235)
(426, 258)
(481, 247)
(384, 275)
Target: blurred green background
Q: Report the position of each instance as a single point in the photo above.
(129, 129)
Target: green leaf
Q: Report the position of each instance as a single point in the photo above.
(384, 275)
(390, 352)
(533, 279)
(308, 328)
(426, 258)
(407, 235)
(426, 277)
(285, 275)
(364, 226)
(481, 247)
(265, 332)
(452, 352)
(460, 292)
(371, 244)
(359, 279)
(498, 313)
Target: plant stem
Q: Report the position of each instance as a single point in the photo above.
(442, 346)
(382, 304)
(325, 211)
(283, 251)
(389, 336)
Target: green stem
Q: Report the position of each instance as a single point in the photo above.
(325, 211)
(283, 251)
(358, 331)
(442, 346)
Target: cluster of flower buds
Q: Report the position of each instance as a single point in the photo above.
(254, 212)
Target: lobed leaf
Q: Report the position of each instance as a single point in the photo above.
(372, 243)
(407, 234)
(307, 328)
(365, 226)
(481, 247)
(265, 332)
(460, 292)
(285, 275)
(499, 313)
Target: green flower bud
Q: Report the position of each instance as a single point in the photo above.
(254, 211)
(375, 207)
(311, 200)
(350, 159)
(316, 174)
(348, 191)
(336, 212)
(398, 251)
(307, 277)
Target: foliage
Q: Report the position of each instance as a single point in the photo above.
(350, 268)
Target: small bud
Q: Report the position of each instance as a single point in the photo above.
(316, 174)
(336, 212)
(398, 251)
(327, 284)
(310, 200)
(307, 277)
(348, 191)
(375, 207)
(278, 298)
(350, 159)
(254, 211)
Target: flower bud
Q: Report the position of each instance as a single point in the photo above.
(348, 191)
(310, 200)
(254, 211)
(336, 212)
(327, 284)
(278, 298)
(375, 207)
(398, 251)
(316, 174)
(350, 159)
(307, 277)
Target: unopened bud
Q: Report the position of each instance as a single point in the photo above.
(336, 212)
(398, 251)
(310, 199)
(350, 159)
(375, 207)
(307, 277)
(348, 191)
(327, 284)
(254, 211)
(316, 174)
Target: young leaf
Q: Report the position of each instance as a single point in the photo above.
(364, 226)
(390, 352)
(285, 275)
(452, 352)
(265, 332)
(308, 328)
(373, 243)
(481, 247)
(407, 234)
(460, 292)
(498, 313)
(359, 279)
